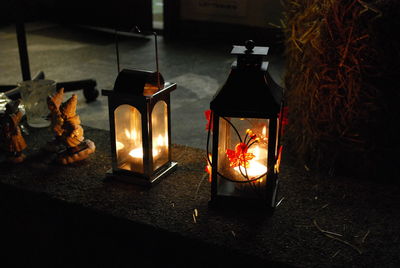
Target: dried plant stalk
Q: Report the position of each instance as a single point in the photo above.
(333, 61)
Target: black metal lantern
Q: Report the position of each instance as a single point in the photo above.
(245, 132)
(140, 127)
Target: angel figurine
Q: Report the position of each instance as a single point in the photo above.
(77, 148)
(14, 142)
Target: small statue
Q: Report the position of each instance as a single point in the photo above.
(14, 142)
(53, 103)
(77, 148)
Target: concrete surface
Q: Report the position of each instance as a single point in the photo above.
(67, 216)
(70, 53)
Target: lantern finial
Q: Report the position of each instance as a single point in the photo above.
(249, 44)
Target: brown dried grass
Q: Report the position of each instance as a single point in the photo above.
(334, 56)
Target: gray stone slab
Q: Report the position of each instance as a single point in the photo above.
(357, 219)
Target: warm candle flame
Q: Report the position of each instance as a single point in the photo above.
(161, 140)
(264, 131)
(131, 134)
(254, 167)
(246, 159)
(119, 145)
(138, 153)
(256, 153)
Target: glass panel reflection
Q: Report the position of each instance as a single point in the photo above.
(159, 121)
(242, 156)
(128, 138)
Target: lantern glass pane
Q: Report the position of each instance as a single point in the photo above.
(277, 137)
(278, 147)
(242, 156)
(128, 138)
(159, 121)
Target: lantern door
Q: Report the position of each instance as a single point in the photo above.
(244, 160)
(160, 136)
(140, 128)
(128, 138)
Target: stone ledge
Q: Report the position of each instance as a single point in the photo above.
(72, 215)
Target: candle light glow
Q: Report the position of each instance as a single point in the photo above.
(253, 167)
(161, 142)
(209, 167)
(119, 145)
(138, 153)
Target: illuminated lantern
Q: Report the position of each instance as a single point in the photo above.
(140, 127)
(245, 129)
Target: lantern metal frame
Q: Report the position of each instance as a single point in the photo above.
(249, 92)
(128, 90)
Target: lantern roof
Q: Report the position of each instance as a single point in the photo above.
(249, 90)
(250, 50)
(134, 81)
(137, 83)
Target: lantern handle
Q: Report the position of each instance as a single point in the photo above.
(117, 49)
(137, 30)
(157, 66)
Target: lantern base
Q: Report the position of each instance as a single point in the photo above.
(227, 203)
(140, 179)
(267, 203)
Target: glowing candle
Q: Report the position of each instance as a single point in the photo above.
(119, 145)
(160, 146)
(264, 131)
(131, 134)
(138, 153)
(255, 168)
(264, 136)
(162, 140)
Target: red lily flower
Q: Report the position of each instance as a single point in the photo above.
(284, 119)
(207, 114)
(239, 156)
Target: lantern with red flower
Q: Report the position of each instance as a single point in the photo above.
(245, 119)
